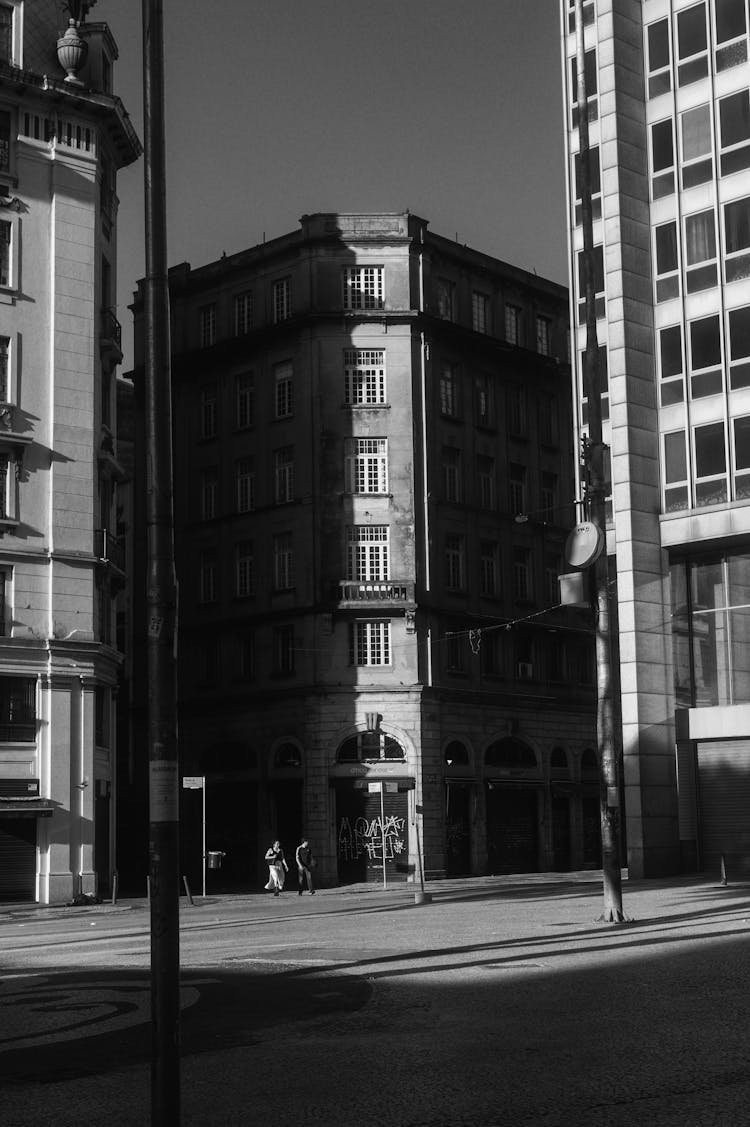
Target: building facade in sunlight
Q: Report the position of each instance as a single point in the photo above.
(668, 85)
(63, 135)
(371, 648)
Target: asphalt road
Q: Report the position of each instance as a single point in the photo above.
(503, 1003)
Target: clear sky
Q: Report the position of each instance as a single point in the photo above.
(277, 108)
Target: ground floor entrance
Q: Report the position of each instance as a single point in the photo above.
(512, 829)
(372, 831)
(17, 858)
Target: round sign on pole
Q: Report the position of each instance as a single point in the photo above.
(584, 544)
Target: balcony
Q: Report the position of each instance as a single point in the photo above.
(109, 549)
(110, 335)
(375, 592)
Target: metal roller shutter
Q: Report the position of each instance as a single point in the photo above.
(17, 859)
(724, 804)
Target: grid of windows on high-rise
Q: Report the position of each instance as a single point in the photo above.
(711, 630)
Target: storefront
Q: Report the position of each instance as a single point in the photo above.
(20, 809)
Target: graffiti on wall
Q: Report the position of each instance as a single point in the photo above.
(367, 837)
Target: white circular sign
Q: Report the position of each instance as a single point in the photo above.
(584, 544)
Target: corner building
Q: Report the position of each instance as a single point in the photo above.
(372, 651)
(669, 111)
(62, 138)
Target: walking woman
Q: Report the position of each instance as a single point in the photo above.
(277, 868)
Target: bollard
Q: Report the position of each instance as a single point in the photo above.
(187, 891)
(723, 870)
(114, 887)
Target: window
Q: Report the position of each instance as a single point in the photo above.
(548, 495)
(283, 374)
(491, 654)
(369, 747)
(244, 570)
(245, 485)
(367, 552)
(454, 652)
(705, 357)
(551, 580)
(543, 335)
(243, 313)
(366, 465)
(710, 464)
(207, 325)
(446, 299)
(739, 348)
(208, 411)
(449, 391)
(283, 650)
(244, 398)
(5, 253)
(697, 146)
(488, 568)
(737, 240)
(512, 324)
(282, 300)
(484, 400)
(17, 709)
(742, 459)
(549, 431)
(209, 487)
(598, 281)
(659, 72)
(595, 173)
(667, 262)
(455, 562)
(662, 159)
(4, 369)
(700, 251)
(480, 312)
(516, 410)
(671, 365)
(522, 574)
(6, 34)
(370, 643)
(452, 483)
(283, 562)
(5, 139)
(588, 14)
(207, 577)
(363, 287)
(486, 481)
(283, 475)
(517, 488)
(734, 124)
(590, 78)
(245, 664)
(692, 45)
(364, 376)
(731, 33)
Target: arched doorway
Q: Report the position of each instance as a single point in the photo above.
(372, 810)
(458, 788)
(513, 793)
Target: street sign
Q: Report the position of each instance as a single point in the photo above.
(192, 782)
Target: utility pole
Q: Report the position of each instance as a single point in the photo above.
(609, 791)
(160, 601)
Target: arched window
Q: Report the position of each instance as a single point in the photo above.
(287, 755)
(558, 763)
(456, 754)
(589, 764)
(370, 747)
(228, 757)
(510, 753)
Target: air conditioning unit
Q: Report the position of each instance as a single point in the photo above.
(525, 670)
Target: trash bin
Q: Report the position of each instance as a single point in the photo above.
(215, 858)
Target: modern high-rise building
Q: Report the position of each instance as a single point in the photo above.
(668, 92)
(63, 136)
(373, 486)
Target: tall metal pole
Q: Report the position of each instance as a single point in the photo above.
(609, 800)
(160, 601)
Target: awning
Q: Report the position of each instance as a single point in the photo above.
(19, 807)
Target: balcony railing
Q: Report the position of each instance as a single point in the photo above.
(384, 591)
(109, 549)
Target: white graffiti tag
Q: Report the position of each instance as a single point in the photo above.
(369, 837)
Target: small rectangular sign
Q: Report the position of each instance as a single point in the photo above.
(192, 782)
